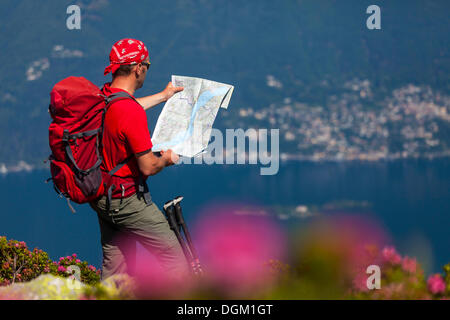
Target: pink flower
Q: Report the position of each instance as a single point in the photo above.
(409, 265)
(46, 270)
(61, 269)
(151, 279)
(92, 268)
(360, 282)
(391, 256)
(236, 249)
(74, 255)
(436, 284)
(61, 259)
(78, 261)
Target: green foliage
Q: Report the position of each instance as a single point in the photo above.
(19, 264)
(117, 287)
(447, 278)
(88, 273)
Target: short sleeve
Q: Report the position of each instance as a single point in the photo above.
(135, 129)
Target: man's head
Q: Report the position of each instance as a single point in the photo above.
(129, 59)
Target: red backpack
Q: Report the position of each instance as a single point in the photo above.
(78, 108)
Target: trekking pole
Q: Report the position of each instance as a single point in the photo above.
(169, 209)
(180, 220)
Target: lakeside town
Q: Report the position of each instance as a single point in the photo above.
(413, 122)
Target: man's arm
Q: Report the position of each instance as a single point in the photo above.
(149, 164)
(153, 100)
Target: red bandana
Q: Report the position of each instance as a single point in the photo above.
(126, 51)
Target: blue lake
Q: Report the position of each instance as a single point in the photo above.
(410, 199)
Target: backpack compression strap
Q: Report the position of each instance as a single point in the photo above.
(68, 137)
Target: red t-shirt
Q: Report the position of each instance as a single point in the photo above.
(125, 133)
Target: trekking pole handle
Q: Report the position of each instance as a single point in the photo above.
(170, 211)
(171, 218)
(179, 213)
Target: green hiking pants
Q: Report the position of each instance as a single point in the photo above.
(132, 219)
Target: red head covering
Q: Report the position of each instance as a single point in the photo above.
(126, 51)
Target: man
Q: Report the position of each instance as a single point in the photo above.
(125, 212)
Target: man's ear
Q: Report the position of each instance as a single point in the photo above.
(137, 71)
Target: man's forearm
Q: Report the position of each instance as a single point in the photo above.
(157, 166)
(153, 100)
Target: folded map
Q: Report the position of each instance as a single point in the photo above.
(186, 120)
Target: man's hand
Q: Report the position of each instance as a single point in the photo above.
(170, 157)
(170, 90)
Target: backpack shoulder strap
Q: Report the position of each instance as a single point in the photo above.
(142, 185)
(120, 165)
(109, 100)
(121, 95)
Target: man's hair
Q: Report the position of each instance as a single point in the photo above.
(124, 70)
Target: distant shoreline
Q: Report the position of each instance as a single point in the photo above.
(23, 166)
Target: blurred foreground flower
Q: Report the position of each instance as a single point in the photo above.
(235, 251)
(50, 287)
(45, 287)
(151, 280)
(329, 257)
(409, 265)
(391, 256)
(436, 284)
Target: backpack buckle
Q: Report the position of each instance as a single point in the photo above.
(65, 137)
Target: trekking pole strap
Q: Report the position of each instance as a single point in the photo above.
(70, 206)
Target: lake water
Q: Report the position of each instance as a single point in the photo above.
(410, 199)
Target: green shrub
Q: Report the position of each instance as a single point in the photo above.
(19, 264)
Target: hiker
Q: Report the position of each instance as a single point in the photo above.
(127, 209)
